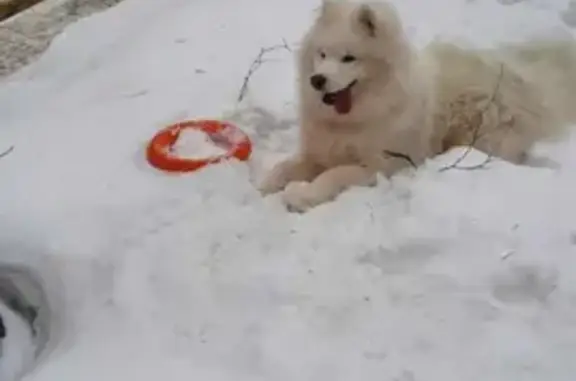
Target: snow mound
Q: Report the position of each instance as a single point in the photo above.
(195, 144)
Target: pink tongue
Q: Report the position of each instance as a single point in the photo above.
(343, 101)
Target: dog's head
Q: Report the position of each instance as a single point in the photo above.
(351, 49)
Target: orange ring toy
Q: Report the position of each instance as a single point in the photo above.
(160, 149)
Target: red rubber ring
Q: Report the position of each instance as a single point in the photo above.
(159, 153)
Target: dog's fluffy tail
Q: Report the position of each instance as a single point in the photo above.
(551, 66)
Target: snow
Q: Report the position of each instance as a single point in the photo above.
(196, 144)
(198, 277)
(16, 350)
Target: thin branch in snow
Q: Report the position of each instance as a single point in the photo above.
(258, 61)
(399, 155)
(507, 254)
(7, 152)
(477, 118)
(481, 165)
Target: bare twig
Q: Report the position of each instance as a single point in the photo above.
(507, 254)
(402, 156)
(478, 118)
(7, 152)
(258, 61)
(481, 165)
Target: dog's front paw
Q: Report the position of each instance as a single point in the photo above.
(276, 179)
(271, 184)
(300, 197)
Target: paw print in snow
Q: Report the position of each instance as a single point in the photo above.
(525, 283)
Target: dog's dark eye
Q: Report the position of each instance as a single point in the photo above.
(322, 55)
(348, 58)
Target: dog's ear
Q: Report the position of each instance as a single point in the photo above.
(366, 17)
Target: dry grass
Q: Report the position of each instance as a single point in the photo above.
(9, 8)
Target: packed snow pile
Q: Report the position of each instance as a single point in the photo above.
(195, 144)
(433, 275)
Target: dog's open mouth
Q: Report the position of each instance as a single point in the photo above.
(341, 99)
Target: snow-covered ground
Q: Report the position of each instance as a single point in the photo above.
(16, 351)
(453, 275)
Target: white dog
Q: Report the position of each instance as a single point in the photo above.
(369, 104)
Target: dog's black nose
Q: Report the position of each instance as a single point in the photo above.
(318, 81)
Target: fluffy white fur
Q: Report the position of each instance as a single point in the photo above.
(413, 104)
